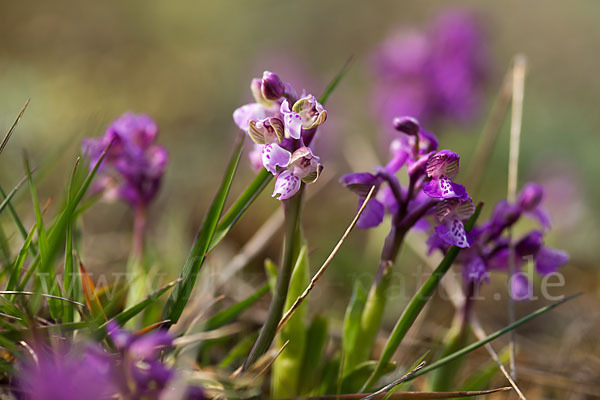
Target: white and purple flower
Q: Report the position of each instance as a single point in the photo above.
(277, 123)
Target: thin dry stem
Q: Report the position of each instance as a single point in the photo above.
(323, 268)
(513, 175)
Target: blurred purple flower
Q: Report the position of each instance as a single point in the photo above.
(133, 167)
(490, 249)
(65, 375)
(431, 74)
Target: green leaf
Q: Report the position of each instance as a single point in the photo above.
(418, 302)
(47, 275)
(7, 198)
(240, 206)
(465, 350)
(312, 363)
(181, 294)
(444, 378)
(286, 369)
(68, 281)
(13, 212)
(352, 327)
(12, 128)
(18, 264)
(336, 81)
(56, 233)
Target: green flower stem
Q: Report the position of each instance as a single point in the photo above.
(135, 266)
(293, 213)
(377, 298)
(418, 302)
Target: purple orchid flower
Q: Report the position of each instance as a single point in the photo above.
(301, 166)
(530, 199)
(490, 248)
(442, 168)
(416, 150)
(282, 127)
(450, 213)
(134, 165)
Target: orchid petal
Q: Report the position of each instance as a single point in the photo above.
(245, 113)
(372, 215)
(286, 185)
(453, 232)
(444, 188)
(273, 156)
(548, 260)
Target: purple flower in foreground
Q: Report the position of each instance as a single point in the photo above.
(282, 127)
(430, 74)
(134, 165)
(65, 375)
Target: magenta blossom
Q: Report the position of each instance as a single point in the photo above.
(431, 74)
(134, 165)
(411, 204)
(490, 246)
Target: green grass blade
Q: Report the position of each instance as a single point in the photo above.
(181, 294)
(56, 233)
(240, 206)
(12, 128)
(495, 335)
(47, 276)
(229, 314)
(336, 81)
(14, 215)
(7, 198)
(352, 325)
(286, 369)
(68, 281)
(416, 305)
(314, 355)
(134, 310)
(18, 264)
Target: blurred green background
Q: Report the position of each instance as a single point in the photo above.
(189, 63)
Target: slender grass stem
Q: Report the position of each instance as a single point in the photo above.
(518, 82)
